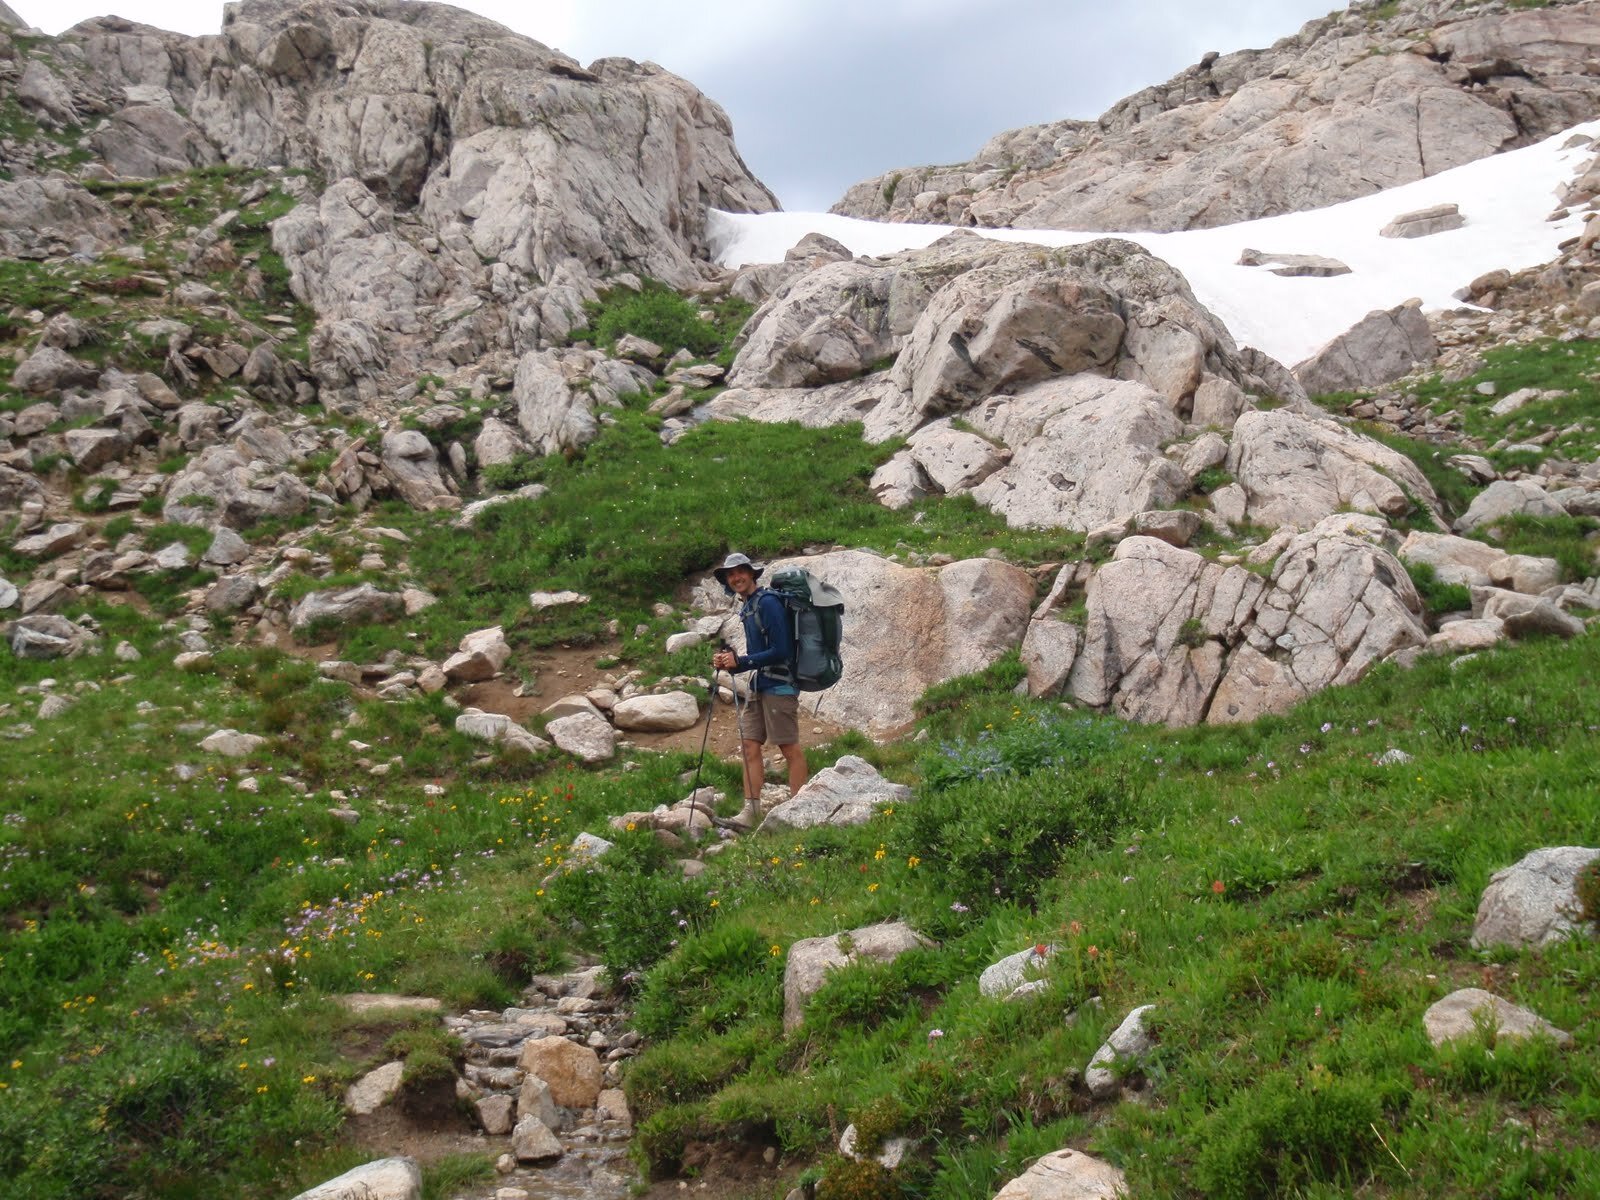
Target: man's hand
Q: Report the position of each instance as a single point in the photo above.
(724, 660)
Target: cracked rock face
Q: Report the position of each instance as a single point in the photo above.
(480, 184)
(1350, 106)
(1172, 637)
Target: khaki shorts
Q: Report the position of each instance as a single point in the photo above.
(771, 718)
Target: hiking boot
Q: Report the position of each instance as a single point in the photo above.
(748, 817)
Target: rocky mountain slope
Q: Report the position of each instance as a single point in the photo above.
(377, 296)
(463, 189)
(1363, 99)
(370, 409)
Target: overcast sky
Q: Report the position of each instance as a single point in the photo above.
(826, 92)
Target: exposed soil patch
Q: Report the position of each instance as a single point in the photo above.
(728, 1171)
(390, 1133)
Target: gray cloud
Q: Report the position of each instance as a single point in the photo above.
(814, 113)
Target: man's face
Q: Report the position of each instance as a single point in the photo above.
(742, 580)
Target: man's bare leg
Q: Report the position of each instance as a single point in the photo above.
(798, 771)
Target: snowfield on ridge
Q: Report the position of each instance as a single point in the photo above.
(1507, 201)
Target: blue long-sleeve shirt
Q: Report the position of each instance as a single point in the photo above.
(768, 642)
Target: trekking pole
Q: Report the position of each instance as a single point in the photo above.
(711, 712)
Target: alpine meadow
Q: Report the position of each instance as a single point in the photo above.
(1197, 796)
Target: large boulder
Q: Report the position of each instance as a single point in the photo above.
(92, 449)
(497, 444)
(43, 636)
(907, 628)
(58, 539)
(670, 712)
(587, 736)
(48, 369)
(1534, 902)
(523, 177)
(1458, 560)
(810, 960)
(989, 331)
(1382, 346)
(1508, 498)
(554, 414)
(974, 318)
(53, 214)
(1297, 469)
(412, 465)
(144, 141)
(1523, 616)
(363, 604)
(222, 485)
(831, 324)
(1086, 452)
(573, 1072)
(851, 792)
(1173, 638)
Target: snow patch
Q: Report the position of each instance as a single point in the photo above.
(1505, 199)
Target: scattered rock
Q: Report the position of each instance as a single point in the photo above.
(573, 1072)
(495, 1114)
(1295, 266)
(588, 737)
(374, 1089)
(669, 712)
(482, 655)
(533, 1142)
(1534, 902)
(500, 729)
(1474, 1013)
(851, 792)
(1014, 971)
(385, 1179)
(1125, 1048)
(362, 1003)
(1066, 1175)
(811, 959)
(232, 744)
(538, 601)
(890, 1154)
(363, 604)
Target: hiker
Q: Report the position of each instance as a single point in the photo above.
(773, 711)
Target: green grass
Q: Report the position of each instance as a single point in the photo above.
(1209, 871)
(1567, 367)
(628, 519)
(660, 315)
(160, 931)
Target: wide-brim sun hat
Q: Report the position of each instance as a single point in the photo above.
(736, 560)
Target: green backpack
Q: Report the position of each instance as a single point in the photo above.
(816, 624)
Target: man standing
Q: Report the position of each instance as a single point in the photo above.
(773, 712)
